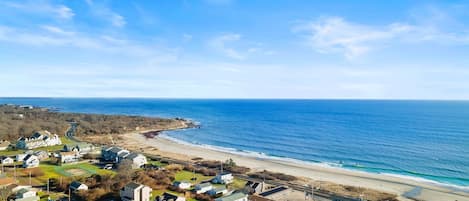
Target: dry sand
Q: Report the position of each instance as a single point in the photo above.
(385, 183)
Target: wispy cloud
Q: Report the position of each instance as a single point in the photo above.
(51, 36)
(338, 35)
(41, 7)
(220, 43)
(103, 11)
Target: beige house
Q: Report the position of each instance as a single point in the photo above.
(69, 157)
(138, 160)
(135, 192)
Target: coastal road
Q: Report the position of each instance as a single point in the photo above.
(70, 134)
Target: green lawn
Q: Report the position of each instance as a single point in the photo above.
(186, 175)
(55, 171)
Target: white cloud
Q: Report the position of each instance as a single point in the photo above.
(42, 7)
(57, 30)
(186, 37)
(219, 43)
(337, 35)
(50, 36)
(104, 12)
(334, 34)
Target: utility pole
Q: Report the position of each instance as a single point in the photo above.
(47, 186)
(30, 178)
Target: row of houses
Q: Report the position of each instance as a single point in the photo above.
(38, 139)
(117, 155)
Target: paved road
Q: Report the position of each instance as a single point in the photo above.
(71, 132)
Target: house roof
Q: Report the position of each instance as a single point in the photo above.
(116, 149)
(133, 155)
(219, 189)
(133, 185)
(4, 157)
(232, 197)
(202, 185)
(22, 191)
(28, 157)
(75, 184)
(273, 191)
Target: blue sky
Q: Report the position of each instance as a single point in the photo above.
(235, 49)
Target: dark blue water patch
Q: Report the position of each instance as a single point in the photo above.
(425, 139)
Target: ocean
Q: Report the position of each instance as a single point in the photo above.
(425, 140)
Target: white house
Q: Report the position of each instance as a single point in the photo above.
(26, 195)
(4, 145)
(223, 178)
(135, 192)
(69, 157)
(203, 187)
(6, 160)
(78, 186)
(38, 139)
(138, 160)
(182, 184)
(234, 197)
(218, 191)
(30, 161)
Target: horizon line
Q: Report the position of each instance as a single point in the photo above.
(232, 98)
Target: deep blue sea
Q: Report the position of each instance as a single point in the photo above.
(421, 139)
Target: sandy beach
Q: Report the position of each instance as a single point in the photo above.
(386, 183)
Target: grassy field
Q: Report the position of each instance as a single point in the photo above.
(81, 169)
(186, 176)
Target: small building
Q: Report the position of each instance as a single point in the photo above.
(203, 187)
(223, 178)
(4, 145)
(26, 195)
(6, 160)
(217, 191)
(234, 197)
(38, 139)
(182, 184)
(69, 157)
(170, 197)
(135, 192)
(30, 161)
(78, 186)
(138, 160)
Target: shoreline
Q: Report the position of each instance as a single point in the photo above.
(165, 146)
(263, 156)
